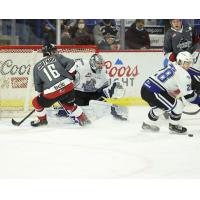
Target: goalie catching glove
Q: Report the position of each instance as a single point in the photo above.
(115, 90)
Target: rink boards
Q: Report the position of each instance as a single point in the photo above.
(130, 67)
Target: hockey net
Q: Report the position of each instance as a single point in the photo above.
(16, 74)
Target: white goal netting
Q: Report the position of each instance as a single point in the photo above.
(16, 81)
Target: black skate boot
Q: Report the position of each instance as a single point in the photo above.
(117, 115)
(38, 122)
(83, 120)
(177, 129)
(148, 127)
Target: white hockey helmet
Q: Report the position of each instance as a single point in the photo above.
(184, 57)
(96, 62)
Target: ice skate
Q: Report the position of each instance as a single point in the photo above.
(83, 120)
(38, 122)
(149, 127)
(117, 114)
(177, 129)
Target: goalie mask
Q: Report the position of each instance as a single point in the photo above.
(49, 49)
(96, 63)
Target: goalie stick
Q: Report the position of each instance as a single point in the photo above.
(124, 101)
(19, 123)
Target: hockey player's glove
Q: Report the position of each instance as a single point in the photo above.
(172, 57)
(73, 75)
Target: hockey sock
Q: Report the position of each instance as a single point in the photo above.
(40, 111)
(74, 110)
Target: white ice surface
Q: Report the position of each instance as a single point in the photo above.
(106, 149)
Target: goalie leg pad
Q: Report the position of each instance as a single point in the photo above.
(119, 112)
(100, 108)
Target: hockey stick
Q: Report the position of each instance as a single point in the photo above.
(19, 123)
(192, 113)
(125, 101)
(68, 114)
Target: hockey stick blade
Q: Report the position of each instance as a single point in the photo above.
(15, 123)
(191, 113)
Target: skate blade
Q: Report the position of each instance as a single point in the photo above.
(176, 133)
(150, 130)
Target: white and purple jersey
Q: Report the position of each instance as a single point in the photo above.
(170, 79)
(195, 69)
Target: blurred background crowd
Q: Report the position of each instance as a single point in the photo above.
(106, 34)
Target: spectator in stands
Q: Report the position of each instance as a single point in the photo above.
(106, 25)
(23, 31)
(166, 24)
(179, 38)
(109, 42)
(136, 37)
(195, 23)
(66, 30)
(49, 31)
(66, 38)
(67, 23)
(91, 23)
(80, 33)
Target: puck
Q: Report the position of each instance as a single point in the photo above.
(190, 135)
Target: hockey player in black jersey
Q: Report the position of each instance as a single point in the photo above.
(179, 38)
(53, 80)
